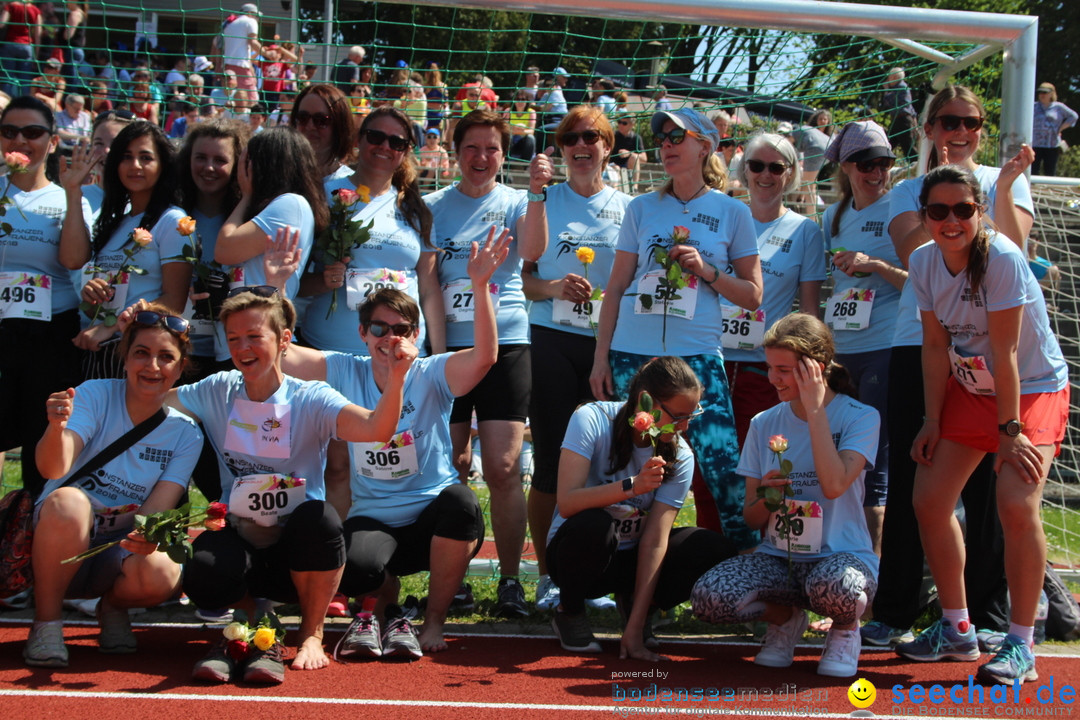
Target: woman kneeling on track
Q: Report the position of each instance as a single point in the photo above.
(817, 552)
(620, 488)
(979, 304)
(80, 509)
(407, 511)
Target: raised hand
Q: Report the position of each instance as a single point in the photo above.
(76, 169)
(58, 407)
(484, 261)
(282, 256)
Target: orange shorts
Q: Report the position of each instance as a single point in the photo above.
(971, 419)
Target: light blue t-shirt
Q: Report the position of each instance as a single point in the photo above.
(792, 252)
(964, 315)
(33, 245)
(166, 247)
(394, 248)
(286, 210)
(865, 231)
(314, 409)
(905, 198)
(575, 221)
(167, 453)
(423, 434)
(843, 524)
(461, 220)
(589, 435)
(95, 195)
(722, 230)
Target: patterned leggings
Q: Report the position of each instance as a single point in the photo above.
(737, 589)
(712, 437)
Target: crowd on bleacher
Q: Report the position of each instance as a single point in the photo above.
(276, 313)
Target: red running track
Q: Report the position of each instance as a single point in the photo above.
(485, 677)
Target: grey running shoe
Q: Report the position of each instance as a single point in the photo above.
(217, 666)
(941, 641)
(1014, 661)
(399, 639)
(574, 632)
(361, 640)
(45, 647)
(265, 666)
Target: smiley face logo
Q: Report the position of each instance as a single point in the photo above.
(862, 693)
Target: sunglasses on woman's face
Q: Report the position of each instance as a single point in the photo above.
(378, 137)
(30, 132)
(378, 328)
(952, 122)
(150, 318)
(775, 168)
(263, 291)
(675, 137)
(589, 137)
(940, 211)
(321, 121)
(868, 166)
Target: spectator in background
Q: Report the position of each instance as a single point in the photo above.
(257, 118)
(226, 97)
(49, 86)
(73, 124)
(202, 64)
(822, 120)
(21, 23)
(902, 116)
(434, 160)
(722, 120)
(602, 91)
(522, 119)
(275, 65)
(189, 116)
(811, 144)
(530, 84)
(660, 98)
(143, 103)
(621, 99)
(1051, 117)
(347, 72)
(240, 40)
(552, 105)
(196, 87)
(628, 152)
(437, 96)
(74, 36)
(178, 74)
(99, 97)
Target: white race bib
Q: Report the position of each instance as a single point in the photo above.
(259, 429)
(972, 373)
(361, 283)
(580, 315)
(629, 522)
(109, 520)
(197, 326)
(458, 299)
(683, 307)
(266, 499)
(387, 461)
(850, 310)
(806, 527)
(26, 296)
(743, 329)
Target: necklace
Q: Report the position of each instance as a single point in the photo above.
(686, 202)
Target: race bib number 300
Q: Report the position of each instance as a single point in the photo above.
(266, 499)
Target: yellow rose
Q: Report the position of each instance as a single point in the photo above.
(364, 192)
(265, 638)
(586, 255)
(141, 237)
(186, 225)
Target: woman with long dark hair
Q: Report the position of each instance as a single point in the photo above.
(623, 475)
(980, 304)
(322, 114)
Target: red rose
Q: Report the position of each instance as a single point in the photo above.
(237, 650)
(217, 511)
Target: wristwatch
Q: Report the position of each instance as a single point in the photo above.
(537, 197)
(628, 486)
(1012, 428)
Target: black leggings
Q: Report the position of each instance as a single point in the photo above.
(585, 561)
(374, 549)
(225, 568)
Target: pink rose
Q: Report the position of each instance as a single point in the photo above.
(214, 524)
(17, 162)
(643, 421)
(347, 197)
(141, 237)
(680, 234)
(778, 444)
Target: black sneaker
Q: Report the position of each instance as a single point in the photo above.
(361, 640)
(574, 632)
(511, 599)
(399, 639)
(265, 666)
(217, 666)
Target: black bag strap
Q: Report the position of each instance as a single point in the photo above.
(119, 445)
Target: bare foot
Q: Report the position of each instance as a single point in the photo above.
(431, 638)
(310, 655)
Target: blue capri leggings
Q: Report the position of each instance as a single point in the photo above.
(712, 436)
(737, 589)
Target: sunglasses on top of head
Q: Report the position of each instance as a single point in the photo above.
(952, 122)
(320, 120)
(263, 291)
(589, 137)
(675, 136)
(758, 166)
(940, 211)
(151, 318)
(379, 329)
(378, 137)
(30, 132)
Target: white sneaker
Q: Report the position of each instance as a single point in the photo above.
(547, 593)
(600, 603)
(780, 641)
(841, 655)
